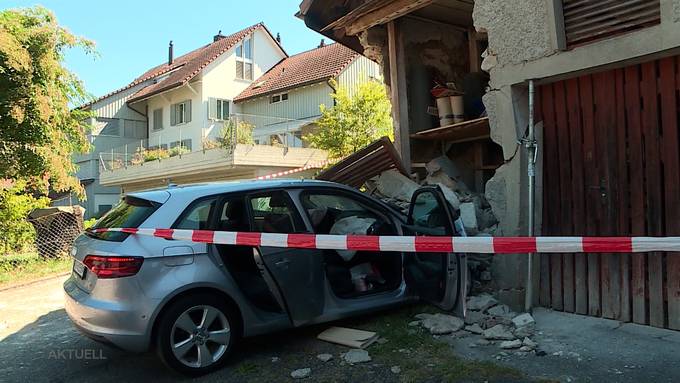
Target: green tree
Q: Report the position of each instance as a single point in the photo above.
(355, 121)
(39, 129)
(15, 204)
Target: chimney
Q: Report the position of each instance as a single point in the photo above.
(278, 38)
(171, 59)
(322, 43)
(218, 36)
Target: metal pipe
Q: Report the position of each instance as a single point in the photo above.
(531, 173)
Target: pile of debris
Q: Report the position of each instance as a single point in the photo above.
(475, 212)
(488, 320)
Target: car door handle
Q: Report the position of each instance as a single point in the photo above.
(282, 263)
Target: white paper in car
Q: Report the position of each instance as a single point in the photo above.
(348, 337)
(351, 225)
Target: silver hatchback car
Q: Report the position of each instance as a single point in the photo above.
(192, 301)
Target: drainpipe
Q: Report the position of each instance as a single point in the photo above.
(530, 144)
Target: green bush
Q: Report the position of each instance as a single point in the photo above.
(16, 233)
(155, 154)
(179, 150)
(244, 134)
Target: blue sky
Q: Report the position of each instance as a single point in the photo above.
(132, 36)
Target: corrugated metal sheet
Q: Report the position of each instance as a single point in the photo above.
(590, 20)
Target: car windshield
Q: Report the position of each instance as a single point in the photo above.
(130, 213)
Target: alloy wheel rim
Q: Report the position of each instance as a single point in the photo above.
(200, 336)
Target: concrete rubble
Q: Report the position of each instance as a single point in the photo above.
(440, 324)
(324, 357)
(356, 356)
(301, 373)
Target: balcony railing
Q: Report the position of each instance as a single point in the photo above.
(178, 141)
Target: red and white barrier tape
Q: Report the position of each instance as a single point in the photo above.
(497, 245)
(314, 165)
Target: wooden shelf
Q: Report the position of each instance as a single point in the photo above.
(470, 130)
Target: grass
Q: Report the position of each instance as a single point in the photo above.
(423, 358)
(24, 267)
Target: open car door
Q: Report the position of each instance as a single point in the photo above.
(438, 278)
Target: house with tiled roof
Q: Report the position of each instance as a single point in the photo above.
(284, 103)
(178, 121)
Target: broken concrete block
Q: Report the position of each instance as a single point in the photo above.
(393, 184)
(324, 357)
(498, 332)
(511, 344)
(529, 343)
(499, 310)
(481, 302)
(526, 349)
(522, 320)
(440, 324)
(524, 331)
(468, 215)
(356, 356)
(474, 328)
(472, 317)
(441, 178)
(301, 373)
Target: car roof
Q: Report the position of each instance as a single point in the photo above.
(204, 189)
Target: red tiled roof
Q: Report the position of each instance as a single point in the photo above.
(184, 67)
(309, 67)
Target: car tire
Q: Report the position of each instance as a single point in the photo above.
(197, 333)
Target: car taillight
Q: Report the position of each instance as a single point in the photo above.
(113, 267)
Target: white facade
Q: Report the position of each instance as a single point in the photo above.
(287, 119)
(217, 80)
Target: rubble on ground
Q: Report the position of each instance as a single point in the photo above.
(356, 356)
(301, 373)
(440, 324)
(488, 322)
(324, 357)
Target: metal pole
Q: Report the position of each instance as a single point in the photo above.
(125, 159)
(531, 172)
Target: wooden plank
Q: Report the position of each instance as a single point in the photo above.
(623, 190)
(654, 205)
(398, 93)
(671, 167)
(636, 187)
(573, 103)
(565, 225)
(544, 261)
(603, 88)
(552, 203)
(591, 187)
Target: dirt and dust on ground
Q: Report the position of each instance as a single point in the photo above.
(417, 344)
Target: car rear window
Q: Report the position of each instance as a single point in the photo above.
(130, 213)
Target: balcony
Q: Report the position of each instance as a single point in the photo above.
(228, 155)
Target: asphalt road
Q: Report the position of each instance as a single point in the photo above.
(39, 344)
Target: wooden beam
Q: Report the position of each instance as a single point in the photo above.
(382, 15)
(398, 94)
(475, 57)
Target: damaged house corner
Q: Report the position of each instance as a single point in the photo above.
(445, 134)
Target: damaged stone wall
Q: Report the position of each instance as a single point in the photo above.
(518, 31)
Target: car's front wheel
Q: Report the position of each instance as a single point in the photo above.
(196, 334)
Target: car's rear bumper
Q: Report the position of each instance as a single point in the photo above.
(123, 326)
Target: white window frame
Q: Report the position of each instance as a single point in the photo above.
(221, 109)
(240, 57)
(280, 98)
(179, 111)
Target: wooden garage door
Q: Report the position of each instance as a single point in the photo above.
(612, 168)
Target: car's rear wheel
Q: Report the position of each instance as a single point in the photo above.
(196, 334)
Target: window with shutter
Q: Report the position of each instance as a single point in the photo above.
(239, 69)
(588, 21)
(244, 60)
(158, 119)
(180, 113)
